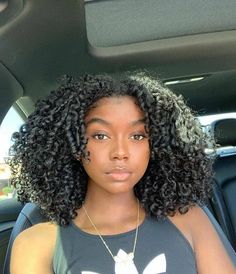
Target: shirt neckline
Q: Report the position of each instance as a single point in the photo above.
(119, 235)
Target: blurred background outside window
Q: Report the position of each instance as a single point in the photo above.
(10, 124)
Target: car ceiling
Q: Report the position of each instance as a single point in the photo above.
(42, 40)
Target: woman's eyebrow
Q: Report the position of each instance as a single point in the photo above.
(97, 120)
(106, 123)
(137, 122)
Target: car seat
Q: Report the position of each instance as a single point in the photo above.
(30, 215)
(224, 193)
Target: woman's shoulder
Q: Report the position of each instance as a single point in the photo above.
(193, 223)
(39, 233)
(184, 222)
(33, 249)
(211, 256)
(194, 215)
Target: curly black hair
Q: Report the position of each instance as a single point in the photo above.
(45, 153)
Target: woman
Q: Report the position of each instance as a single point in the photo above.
(118, 167)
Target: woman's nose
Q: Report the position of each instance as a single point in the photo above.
(119, 150)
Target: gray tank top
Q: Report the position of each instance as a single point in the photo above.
(161, 248)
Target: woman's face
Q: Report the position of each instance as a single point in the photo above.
(118, 145)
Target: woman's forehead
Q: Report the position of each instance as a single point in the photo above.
(112, 108)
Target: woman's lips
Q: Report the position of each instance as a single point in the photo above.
(119, 175)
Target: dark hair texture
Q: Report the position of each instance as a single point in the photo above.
(45, 166)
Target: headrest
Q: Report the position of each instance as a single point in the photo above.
(225, 132)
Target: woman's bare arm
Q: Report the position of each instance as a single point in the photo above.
(32, 251)
(211, 256)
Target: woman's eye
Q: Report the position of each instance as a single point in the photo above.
(100, 136)
(138, 137)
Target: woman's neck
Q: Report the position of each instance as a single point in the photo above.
(112, 214)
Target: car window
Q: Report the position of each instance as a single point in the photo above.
(206, 122)
(208, 119)
(10, 124)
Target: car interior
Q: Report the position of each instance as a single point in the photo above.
(190, 46)
(225, 177)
